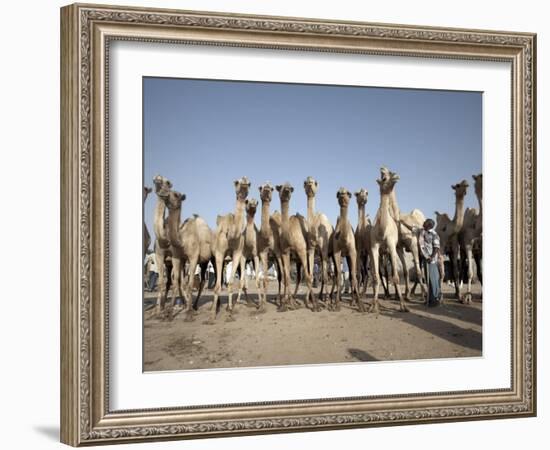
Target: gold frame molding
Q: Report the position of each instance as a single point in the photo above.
(86, 31)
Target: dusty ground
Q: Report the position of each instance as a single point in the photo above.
(302, 337)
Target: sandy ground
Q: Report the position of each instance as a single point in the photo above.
(304, 337)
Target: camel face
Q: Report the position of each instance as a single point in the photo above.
(478, 184)
(387, 180)
(285, 191)
(343, 196)
(266, 191)
(242, 186)
(162, 185)
(310, 186)
(461, 188)
(362, 197)
(251, 206)
(174, 200)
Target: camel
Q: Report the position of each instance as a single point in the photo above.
(471, 236)
(362, 239)
(163, 254)
(293, 240)
(268, 241)
(384, 236)
(250, 250)
(146, 235)
(190, 242)
(407, 240)
(448, 231)
(319, 234)
(343, 245)
(229, 241)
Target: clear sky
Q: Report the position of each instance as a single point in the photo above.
(203, 134)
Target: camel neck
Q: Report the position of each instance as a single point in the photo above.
(343, 214)
(394, 207)
(249, 219)
(239, 212)
(173, 225)
(480, 201)
(310, 208)
(265, 216)
(384, 211)
(284, 211)
(459, 211)
(361, 215)
(158, 221)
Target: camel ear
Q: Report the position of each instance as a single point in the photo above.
(236, 183)
(349, 194)
(291, 189)
(437, 213)
(183, 197)
(316, 183)
(148, 190)
(279, 187)
(454, 186)
(169, 183)
(379, 182)
(356, 193)
(260, 188)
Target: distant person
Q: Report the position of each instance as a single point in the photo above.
(428, 241)
(152, 271)
(345, 276)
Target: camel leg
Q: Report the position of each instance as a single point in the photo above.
(338, 274)
(176, 283)
(263, 297)
(236, 260)
(401, 256)
(418, 270)
(286, 281)
(298, 281)
(189, 288)
(161, 297)
(352, 264)
(242, 281)
(303, 259)
(280, 279)
(469, 261)
(479, 268)
(204, 269)
(375, 260)
(324, 275)
(395, 278)
(310, 262)
(217, 288)
(455, 252)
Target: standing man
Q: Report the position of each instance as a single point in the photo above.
(428, 241)
(152, 271)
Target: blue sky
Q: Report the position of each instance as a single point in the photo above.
(203, 134)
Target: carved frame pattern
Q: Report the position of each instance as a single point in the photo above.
(86, 418)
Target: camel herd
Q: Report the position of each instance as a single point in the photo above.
(283, 239)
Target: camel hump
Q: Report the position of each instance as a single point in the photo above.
(418, 216)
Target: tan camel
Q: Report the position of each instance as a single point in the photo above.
(448, 231)
(146, 235)
(268, 241)
(293, 240)
(250, 251)
(191, 244)
(343, 245)
(229, 241)
(407, 239)
(163, 254)
(384, 235)
(362, 239)
(471, 236)
(320, 233)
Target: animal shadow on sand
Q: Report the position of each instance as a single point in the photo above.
(361, 355)
(440, 328)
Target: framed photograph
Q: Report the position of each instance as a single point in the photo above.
(308, 251)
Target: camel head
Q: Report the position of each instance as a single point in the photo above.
(343, 196)
(242, 186)
(362, 197)
(251, 206)
(146, 192)
(285, 191)
(478, 184)
(162, 185)
(460, 188)
(266, 191)
(387, 180)
(310, 186)
(173, 200)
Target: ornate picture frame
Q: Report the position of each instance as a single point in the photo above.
(86, 34)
